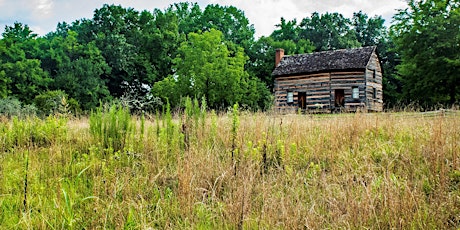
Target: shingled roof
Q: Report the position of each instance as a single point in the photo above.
(324, 61)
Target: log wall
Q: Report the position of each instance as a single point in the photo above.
(316, 87)
(320, 89)
(374, 81)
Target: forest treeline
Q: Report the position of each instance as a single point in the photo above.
(149, 58)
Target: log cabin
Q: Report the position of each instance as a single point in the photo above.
(328, 81)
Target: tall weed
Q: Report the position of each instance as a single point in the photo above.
(110, 126)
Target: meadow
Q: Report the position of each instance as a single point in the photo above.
(195, 169)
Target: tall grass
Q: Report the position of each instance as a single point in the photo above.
(111, 126)
(176, 171)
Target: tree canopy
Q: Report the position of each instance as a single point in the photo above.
(211, 53)
(427, 37)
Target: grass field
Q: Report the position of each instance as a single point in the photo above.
(237, 170)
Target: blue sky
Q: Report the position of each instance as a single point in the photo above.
(42, 16)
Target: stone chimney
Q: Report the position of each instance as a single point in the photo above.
(278, 56)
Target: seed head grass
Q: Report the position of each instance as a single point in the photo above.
(244, 170)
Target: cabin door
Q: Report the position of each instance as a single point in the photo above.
(302, 99)
(339, 98)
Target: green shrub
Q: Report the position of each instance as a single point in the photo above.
(11, 107)
(54, 102)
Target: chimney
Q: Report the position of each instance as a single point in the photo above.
(278, 56)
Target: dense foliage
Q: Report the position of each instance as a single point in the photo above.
(211, 53)
(427, 36)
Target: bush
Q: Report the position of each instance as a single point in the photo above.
(53, 102)
(138, 98)
(11, 107)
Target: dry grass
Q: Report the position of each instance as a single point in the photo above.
(378, 171)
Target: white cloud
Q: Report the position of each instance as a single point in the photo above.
(44, 7)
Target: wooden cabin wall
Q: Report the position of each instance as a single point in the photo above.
(374, 82)
(320, 90)
(347, 81)
(316, 87)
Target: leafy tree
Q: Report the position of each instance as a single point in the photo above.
(27, 78)
(79, 70)
(167, 90)
(21, 73)
(328, 31)
(256, 95)
(262, 52)
(159, 42)
(4, 80)
(188, 16)
(137, 46)
(18, 33)
(4, 83)
(208, 67)
(427, 37)
(230, 21)
(286, 31)
(369, 31)
(115, 30)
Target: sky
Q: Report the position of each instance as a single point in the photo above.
(42, 16)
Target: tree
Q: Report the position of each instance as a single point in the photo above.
(369, 31)
(188, 16)
(137, 46)
(159, 42)
(286, 31)
(79, 70)
(427, 37)
(231, 21)
(4, 80)
(207, 66)
(167, 90)
(21, 72)
(4, 83)
(18, 33)
(328, 31)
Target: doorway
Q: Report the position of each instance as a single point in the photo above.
(339, 100)
(302, 100)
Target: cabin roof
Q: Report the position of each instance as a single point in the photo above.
(342, 59)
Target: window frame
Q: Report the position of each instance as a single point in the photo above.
(355, 95)
(290, 97)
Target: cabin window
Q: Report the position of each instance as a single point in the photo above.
(355, 92)
(374, 93)
(373, 73)
(290, 97)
